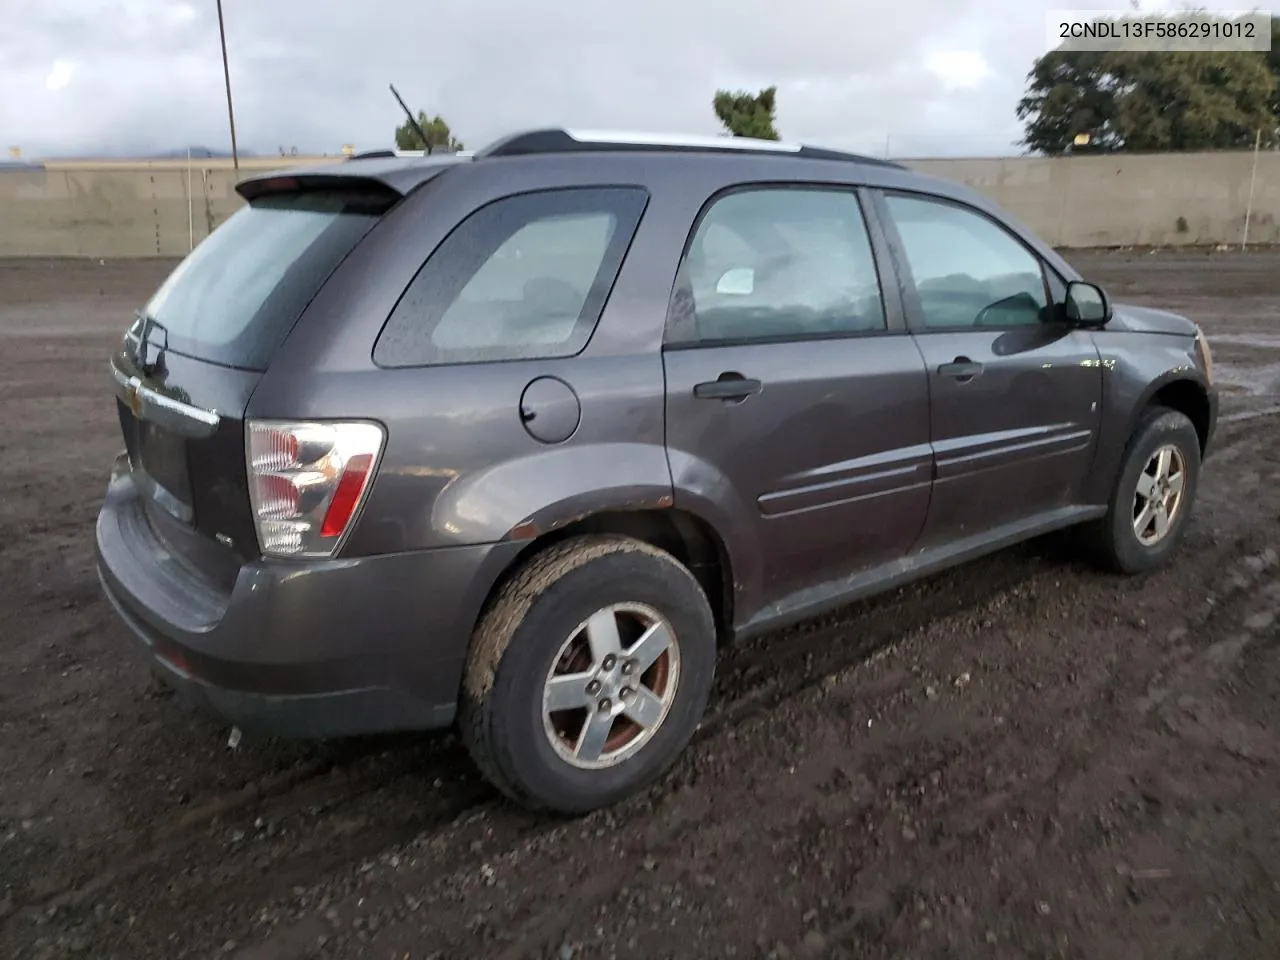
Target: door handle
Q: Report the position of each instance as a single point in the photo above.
(961, 368)
(730, 386)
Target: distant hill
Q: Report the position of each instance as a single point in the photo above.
(177, 153)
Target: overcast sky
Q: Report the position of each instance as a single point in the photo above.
(931, 77)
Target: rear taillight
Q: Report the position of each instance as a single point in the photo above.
(307, 481)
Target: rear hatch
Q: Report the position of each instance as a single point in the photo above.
(189, 363)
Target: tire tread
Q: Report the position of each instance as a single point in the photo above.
(1100, 536)
(479, 722)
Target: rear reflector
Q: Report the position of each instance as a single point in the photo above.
(347, 497)
(307, 481)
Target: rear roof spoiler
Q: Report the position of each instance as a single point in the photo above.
(388, 175)
(259, 187)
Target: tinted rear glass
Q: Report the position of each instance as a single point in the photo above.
(234, 299)
(524, 277)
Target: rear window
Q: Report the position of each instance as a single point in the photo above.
(233, 300)
(524, 277)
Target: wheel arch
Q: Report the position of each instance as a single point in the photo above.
(689, 538)
(1187, 395)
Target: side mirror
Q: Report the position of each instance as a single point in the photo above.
(1086, 305)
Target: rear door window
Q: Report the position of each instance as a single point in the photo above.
(524, 277)
(778, 263)
(233, 300)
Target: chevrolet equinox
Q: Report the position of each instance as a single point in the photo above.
(512, 441)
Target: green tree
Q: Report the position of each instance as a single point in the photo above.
(1070, 93)
(439, 137)
(1146, 100)
(747, 115)
(1195, 101)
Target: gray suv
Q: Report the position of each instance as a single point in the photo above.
(513, 441)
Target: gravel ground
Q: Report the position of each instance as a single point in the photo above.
(1021, 758)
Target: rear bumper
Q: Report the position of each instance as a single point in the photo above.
(300, 649)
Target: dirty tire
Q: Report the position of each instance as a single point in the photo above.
(520, 635)
(1112, 539)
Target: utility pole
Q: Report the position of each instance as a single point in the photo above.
(226, 73)
(1253, 180)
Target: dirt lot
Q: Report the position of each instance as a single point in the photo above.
(1024, 758)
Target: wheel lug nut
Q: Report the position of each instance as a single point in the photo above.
(593, 688)
(609, 662)
(629, 667)
(606, 705)
(625, 695)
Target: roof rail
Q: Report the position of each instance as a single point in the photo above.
(382, 154)
(556, 140)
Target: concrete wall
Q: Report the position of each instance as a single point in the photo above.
(118, 209)
(133, 209)
(1157, 199)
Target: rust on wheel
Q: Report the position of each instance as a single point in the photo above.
(611, 686)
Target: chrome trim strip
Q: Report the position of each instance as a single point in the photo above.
(148, 404)
(122, 381)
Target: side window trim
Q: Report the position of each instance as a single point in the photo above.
(890, 278)
(897, 251)
(1056, 282)
(891, 303)
(595, 303)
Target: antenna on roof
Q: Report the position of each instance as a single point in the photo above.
(426, 144)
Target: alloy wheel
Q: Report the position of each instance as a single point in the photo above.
(611, 686)
(1158, 498)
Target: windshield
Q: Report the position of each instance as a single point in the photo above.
(233, 300)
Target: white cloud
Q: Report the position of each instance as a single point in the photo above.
(59, 77)
(933, 76)
(958, 69)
